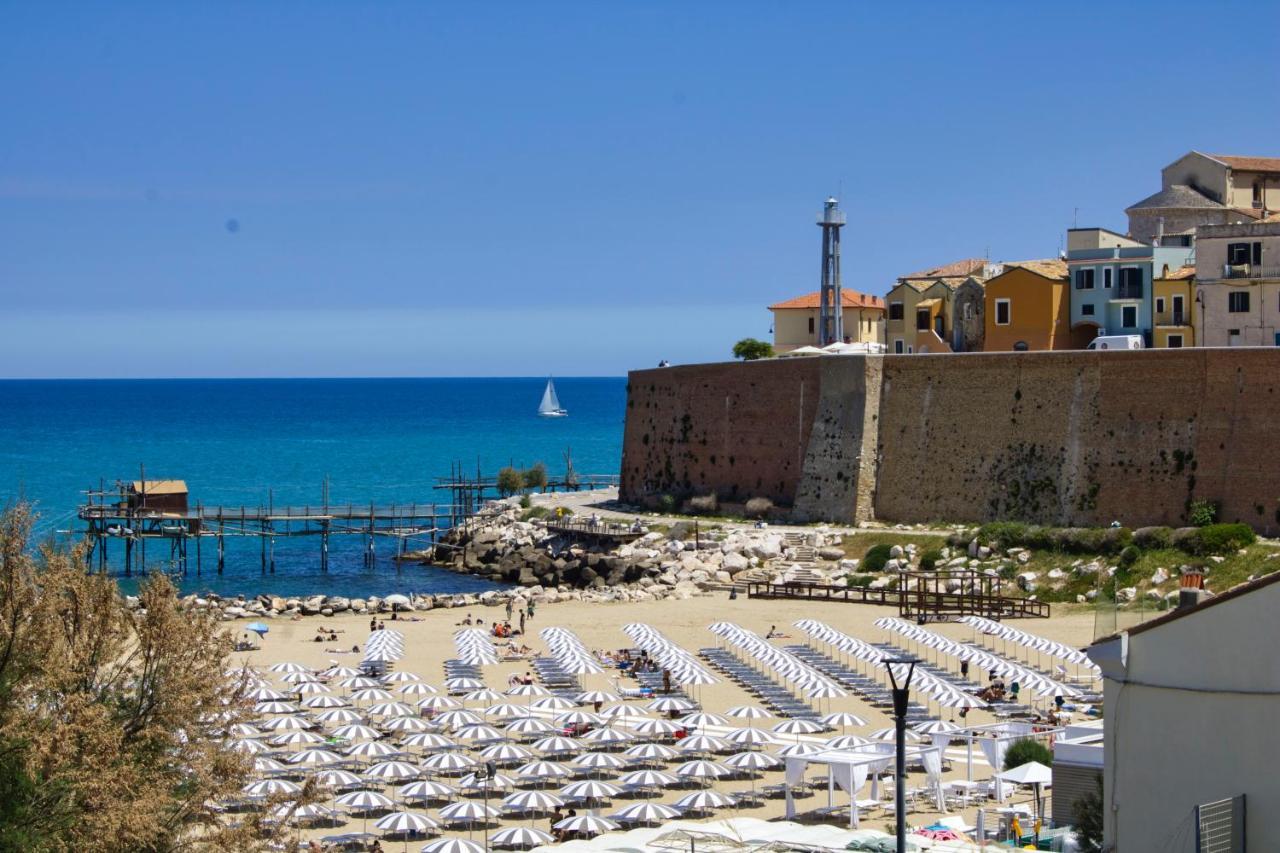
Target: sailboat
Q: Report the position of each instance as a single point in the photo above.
(550, 406)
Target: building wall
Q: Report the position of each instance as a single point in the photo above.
(1241, 193)
(1038, 315)
(1167, 322)
(1144, 224)
(1257, 327)
(969, 332)
(905, 329)
(791, 327)
(1192, 719)
(1199, 172)
(1081, 438)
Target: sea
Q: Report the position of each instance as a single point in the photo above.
(254, 441)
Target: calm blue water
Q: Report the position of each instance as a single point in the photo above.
(233, 441)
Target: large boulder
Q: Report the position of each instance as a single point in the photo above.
(831, 553)
(734, 563)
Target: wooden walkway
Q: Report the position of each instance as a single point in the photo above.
(922, 606)
(600, 531)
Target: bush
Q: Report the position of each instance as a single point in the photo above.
(702, 504)
(758, 508)
(1002, 534)
(1153, 538)
(525, 501)
(535, 478)
(1129, 556)
(929, 559)
(876, 557)
(859, 580)
(534, 512)
(750, 349)
(666, 504)
(510, 481)
(1214, 539)
(1087, 813)
(1073, 540)
(1026, 750)
(1202, 513)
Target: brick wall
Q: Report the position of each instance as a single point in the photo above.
(1062, 438)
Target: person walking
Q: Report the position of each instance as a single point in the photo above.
(521, 622)
(529, 609)
(509, 606)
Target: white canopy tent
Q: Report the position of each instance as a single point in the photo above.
(849, 768)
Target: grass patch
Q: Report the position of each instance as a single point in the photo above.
(856, 545)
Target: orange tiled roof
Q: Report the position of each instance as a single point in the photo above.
(1250, 164)
(1049, 267)
(966, 267)
(848, 299)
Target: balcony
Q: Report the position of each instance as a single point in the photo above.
(1250, 271)
(1173, 318)
(1128, 291)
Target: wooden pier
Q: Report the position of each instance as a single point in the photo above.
(922, 604)
(158, 512)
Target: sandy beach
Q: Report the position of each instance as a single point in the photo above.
(429, 642)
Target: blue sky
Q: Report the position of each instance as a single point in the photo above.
(336, 189)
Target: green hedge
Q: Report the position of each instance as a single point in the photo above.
(1072, 540)
(929, 559)
(876, 557)
(1214, 539)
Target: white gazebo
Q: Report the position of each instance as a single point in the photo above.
(849, 768)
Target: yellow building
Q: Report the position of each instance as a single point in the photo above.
(1027, 309)
(921, 311)
(795, 321)
(1174, 319)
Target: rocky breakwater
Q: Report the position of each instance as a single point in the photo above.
(677, 560)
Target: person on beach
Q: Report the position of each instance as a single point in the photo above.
(529, 609)
(522, 622)
(373, 624)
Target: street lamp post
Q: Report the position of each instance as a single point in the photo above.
(900, 694)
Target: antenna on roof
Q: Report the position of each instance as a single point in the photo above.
(1075, 215)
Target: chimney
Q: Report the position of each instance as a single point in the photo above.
(1159, 231)
(1191, 591)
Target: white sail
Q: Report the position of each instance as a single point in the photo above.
(550, 406)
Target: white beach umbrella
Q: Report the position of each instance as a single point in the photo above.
(934, 727)
(590, 697)
(520, 837)
(288, 667)
(466, 811)
(341, 672)
(244, 730)
(446, 762)
(543, 770)
(705, 800)
(702, 770)
(700, 720)
(365, 801)
(359, 682)
(312, 811)
(285, 724)
(703, 743)
(598, 761)
(486, 694)
(314, 758)
(391, 709)
(371, 694)
(645, 813)
(506, 711)
(753, 761)
(666, 704)
(590, 789)
(371, 749)
(475, 782)
(575, 718)
(843, 719)
(392, 771)
(648, 779)
(650, 727)
(296, 738)
(553, 703)
(651, 752)
(532, 801)
(478, 733)
(264, 766)
(463, 684)
(425, 789)
(416, 688)
(529, 726)
(529, 690)
(428, 740)
(324, 700)
(505, 753)
(271, 788)
(798, 726)
(598, 737)
(275, 706)
(846, 742)
(890, 735)
(400, 676)
(401, 823)
(336, 779)
(801, 749)
(586, 824)
(453, 845)
(438, 703)
(248, 746)
(458, 718)
(556, 745)
(622, 712)
(357, 731)
(747, 712)
(405, 725)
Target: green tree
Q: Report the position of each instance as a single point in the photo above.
(535, 478)
(1087, 813)
(750, 349)
(510, 481)
(1026, 750)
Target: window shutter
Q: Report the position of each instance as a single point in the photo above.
(1257, 254)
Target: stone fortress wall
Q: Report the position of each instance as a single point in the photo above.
(1063, 438)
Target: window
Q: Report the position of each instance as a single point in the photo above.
(1238, 302)
(1130, 277)
(922, 319)
(1174, 342)
(1129, 316)
(811, 325)
(1106, 278)
(1084, 279)
(897, 346)
(1002, 312)
(895, 310)
(1239, 254)
(968, 311)
(1257, 193)
(1159, 304)
(1086, 310)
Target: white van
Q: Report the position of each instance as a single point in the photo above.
(1116, 342)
